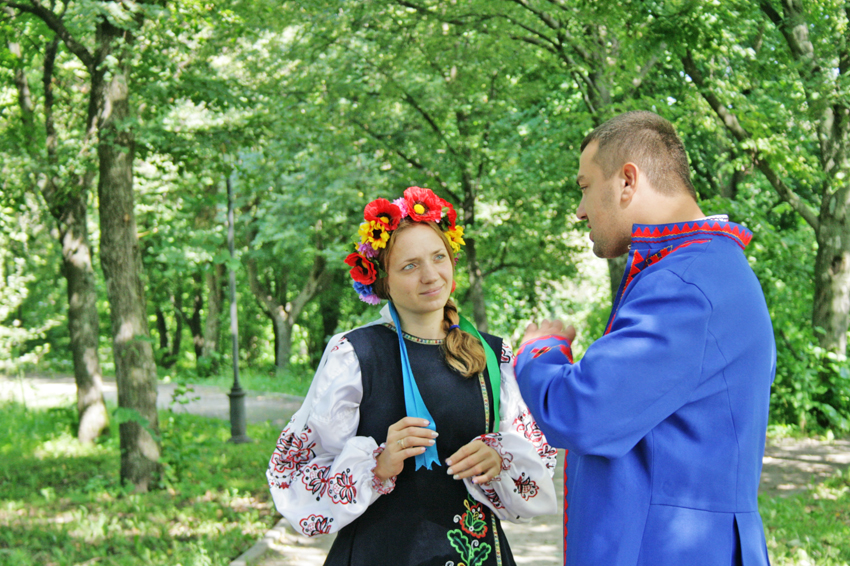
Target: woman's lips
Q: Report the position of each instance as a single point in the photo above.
(432, 292)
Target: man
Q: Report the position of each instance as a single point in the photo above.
(664, 418)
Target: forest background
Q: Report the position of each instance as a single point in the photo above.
(123, 123)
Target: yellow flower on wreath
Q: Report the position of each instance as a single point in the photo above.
(374, 234)
(455, 236)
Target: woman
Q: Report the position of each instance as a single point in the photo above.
(413, 441)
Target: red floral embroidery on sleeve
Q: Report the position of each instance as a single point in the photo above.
(342, 488)
(525, 486)
(315, 477)
(492, 496)
(526, 425)
(383, 488)
(342, 341)
(316, 525)
(291, 453)
(507, 354)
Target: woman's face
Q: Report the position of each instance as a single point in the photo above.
(420, 271)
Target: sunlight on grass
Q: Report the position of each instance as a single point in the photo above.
(63, 504)
(811, 528)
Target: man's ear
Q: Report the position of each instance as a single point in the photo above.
(629, 175)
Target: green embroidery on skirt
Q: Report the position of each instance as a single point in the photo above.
(473, 551)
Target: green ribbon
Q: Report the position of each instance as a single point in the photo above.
(492, 368)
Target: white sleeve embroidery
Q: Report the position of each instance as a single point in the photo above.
(524, 488)
(321, 475)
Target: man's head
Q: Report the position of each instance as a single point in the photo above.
(633, 169)
(650, 142)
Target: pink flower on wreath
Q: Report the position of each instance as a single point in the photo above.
(402, 206)
(423, 205)
(366, 250)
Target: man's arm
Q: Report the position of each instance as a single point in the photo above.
(629, 380)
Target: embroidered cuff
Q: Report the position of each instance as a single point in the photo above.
(382, 487)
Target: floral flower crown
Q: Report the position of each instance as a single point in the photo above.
(382, 217)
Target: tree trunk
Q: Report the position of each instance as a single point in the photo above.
(283, 341)
(196, 327)
(831, 308)
(83, 323)
(329, 311)
(476, 286)
(162, 330)
(212, 325)
(69, 208)
(284, 314)
(135, 371)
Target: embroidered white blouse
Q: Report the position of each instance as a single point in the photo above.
(321, 474)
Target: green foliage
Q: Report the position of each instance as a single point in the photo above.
(30, 312)
(313, 109)
(63, 503)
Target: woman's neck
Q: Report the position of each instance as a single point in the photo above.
(427, 325)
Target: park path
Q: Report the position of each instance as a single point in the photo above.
(790, 466)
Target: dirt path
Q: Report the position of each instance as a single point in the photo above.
(790, 466)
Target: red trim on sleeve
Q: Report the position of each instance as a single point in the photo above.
(533, 340)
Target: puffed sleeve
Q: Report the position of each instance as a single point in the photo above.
(321, 475)
(524, 487)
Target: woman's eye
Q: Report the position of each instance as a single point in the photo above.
(440, 256)
(408, 267)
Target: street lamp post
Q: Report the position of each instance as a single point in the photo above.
(238, 421)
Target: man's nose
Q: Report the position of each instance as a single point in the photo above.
(580, 212)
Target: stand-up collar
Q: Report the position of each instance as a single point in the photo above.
(654, 236)
(651, 243)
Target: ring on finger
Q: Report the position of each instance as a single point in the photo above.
(401, 443)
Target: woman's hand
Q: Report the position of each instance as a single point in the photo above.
(406, 438)
(476, 460)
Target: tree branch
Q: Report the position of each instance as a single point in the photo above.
(433, 124)
(55, 23)
(412, 161)
(541, 15)
(734, 127)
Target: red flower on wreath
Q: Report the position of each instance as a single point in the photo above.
(362, 270)
(423, 205)
(451, 214)
(383, 211)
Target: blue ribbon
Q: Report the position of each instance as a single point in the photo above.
(413, 402)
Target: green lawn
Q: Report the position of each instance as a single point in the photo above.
(62, 504)
(812, 528)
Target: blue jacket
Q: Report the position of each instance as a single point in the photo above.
(664, 418)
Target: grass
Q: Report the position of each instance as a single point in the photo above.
(812, 528)
(62, 503)
(295, 381)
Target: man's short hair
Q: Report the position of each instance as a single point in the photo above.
(650, 142)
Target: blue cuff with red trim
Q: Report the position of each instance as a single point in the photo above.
(551, 350)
